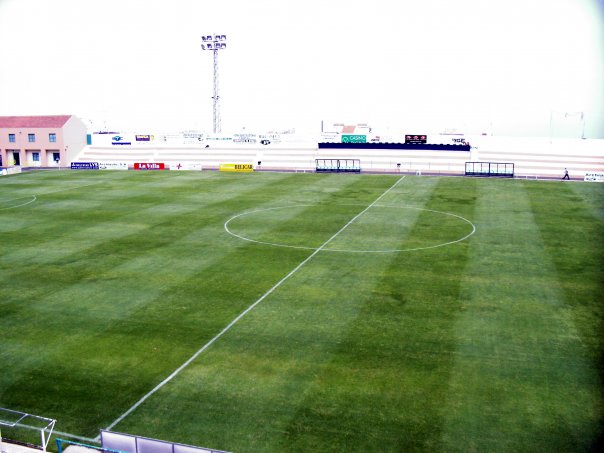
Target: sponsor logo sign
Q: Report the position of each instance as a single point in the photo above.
(84, 165)
(143, 138)
(244, 138)
(416, 139)
(347, 138)
(119, 140)
(267, 139)
(191, 138)
(185, 166)
(244, 168)
(113, 166)
(149, 166)
(594, 176)
(459, 141)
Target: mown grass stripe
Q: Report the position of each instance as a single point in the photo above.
(520, 380)
(246, 311)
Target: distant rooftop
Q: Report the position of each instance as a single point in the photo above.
(33, 121)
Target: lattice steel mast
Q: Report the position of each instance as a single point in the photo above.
(215, 43)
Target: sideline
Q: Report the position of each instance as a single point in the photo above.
(246, 311)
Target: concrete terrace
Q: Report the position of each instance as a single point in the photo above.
(539, 157)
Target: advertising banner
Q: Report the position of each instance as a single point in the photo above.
(244, 138)
(347, 138)
(120, 140)
(244, 168)
(143, 138)
(594, 176)
(113, 166)
(415, 139)
(149, 166)
(192, 138)
(84, 165)
(186, 166)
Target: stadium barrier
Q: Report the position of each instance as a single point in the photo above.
(62, 444)
(112, 441)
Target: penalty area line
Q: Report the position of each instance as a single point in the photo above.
(245, 312)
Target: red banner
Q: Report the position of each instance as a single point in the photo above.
(149, 166)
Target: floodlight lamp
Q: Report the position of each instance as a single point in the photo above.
(209, 46)
(203, 47)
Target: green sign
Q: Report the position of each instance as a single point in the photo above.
(354, 139)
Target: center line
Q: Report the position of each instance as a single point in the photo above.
(245, 312)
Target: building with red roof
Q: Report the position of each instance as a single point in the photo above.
(40, 141)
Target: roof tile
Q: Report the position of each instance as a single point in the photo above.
(49, 121)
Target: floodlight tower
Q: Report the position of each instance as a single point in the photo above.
(215, 43)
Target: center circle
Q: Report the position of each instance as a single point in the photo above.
(382, 229)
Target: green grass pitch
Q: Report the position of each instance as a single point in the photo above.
(452, 314)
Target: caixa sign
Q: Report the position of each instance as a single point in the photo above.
(84, 165)
(149, 166)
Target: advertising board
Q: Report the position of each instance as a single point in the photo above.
(593, 176)
(113, 166)
(192, 138)
(349, 138)
(84, 165)
(149, 166)
(414, 139)
(243, 168)
(245, 138)
(186, 166)
(120, 140)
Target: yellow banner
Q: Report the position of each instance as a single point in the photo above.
(237, 167)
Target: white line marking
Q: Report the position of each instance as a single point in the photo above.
(245, 312)
(276, 244)
(73, 436)
(22, 204)
(35, 197)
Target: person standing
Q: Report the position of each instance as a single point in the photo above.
(566, 174)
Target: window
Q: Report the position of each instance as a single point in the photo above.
(11, 138)
(52, 138)
(31, 138)
(35, 157)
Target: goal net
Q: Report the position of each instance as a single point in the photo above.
(25, 429)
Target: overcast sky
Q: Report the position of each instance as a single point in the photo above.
(399, 65)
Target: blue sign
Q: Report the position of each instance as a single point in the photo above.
(84, 165)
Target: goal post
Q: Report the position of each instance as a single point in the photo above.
(25, 429)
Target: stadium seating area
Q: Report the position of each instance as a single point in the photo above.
(532, 157)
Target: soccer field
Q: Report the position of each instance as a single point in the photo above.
(274, 312)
